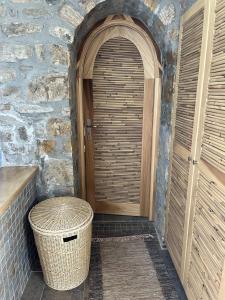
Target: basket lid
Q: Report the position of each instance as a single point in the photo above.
(60, 214)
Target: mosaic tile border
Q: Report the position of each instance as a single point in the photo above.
(16, 244)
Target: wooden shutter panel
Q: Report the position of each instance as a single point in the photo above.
(118, 93)
(186, 91)
(213, 148)
(206, 258)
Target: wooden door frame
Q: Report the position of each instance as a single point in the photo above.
(127, 28)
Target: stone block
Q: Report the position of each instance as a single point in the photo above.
(52, 2)
(173, 34)
(37, 92)
(62, 33)
(66, 111)
(59, 191)
(7, 75)
(12, 12)
(11, 91)
(2, 10)
(9, 119)
(152, 4)
(57, 87)
(46, 147)
(88, 5)
(23, 133)
(5, 136)
(69, 14)
(20, 153)
(59, 55)
(59, 127)
(67, 146)
(53, 87)
(58, 172)
(16, 29)
(14, 126)
(5, 107)
(13, 149)
(35, 12)
(25, 70)
(14, 52)
(40, 51)
(20, 1)
(32, 109)
(40, 129)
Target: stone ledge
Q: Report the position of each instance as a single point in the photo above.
(12, 182)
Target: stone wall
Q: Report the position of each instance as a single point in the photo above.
(36, 109)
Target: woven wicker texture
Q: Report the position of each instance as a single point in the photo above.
(60, 214)
(64, 254)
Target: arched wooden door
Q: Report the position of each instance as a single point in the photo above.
(118, 99)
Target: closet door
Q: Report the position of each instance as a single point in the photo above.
(188, 70)
(205, 277)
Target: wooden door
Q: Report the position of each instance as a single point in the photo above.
(118, 92)
(205, 260)
(115, 116)
(188, 71)
(200, 260)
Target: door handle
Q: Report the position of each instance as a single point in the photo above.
(88, 128)
(89, 124)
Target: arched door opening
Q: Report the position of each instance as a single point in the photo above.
(118, 108)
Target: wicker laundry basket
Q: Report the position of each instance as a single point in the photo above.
(62, 229)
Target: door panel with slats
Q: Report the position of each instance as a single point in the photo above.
(118, 98)
(186, 91)
(213, 148)
(196, 214)
(208, 239)
(190, 49)
(206, 272)
(176, 213)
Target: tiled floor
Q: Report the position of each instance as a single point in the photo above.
(111, 226)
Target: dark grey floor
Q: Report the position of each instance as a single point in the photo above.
(110, 226)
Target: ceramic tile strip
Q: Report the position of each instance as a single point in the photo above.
(16, 245)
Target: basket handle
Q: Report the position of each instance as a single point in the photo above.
(69, 238)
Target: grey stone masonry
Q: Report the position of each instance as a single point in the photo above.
(39, 40)
(17, 250)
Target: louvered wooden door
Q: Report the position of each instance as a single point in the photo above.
(186, 92)
(205, 265)
(196, 212)
(116, 119)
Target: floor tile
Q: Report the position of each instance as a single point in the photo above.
(78, 293)
(34, 288)
(36, 266)
(50, 294)
(117, 218)
(112, 226)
